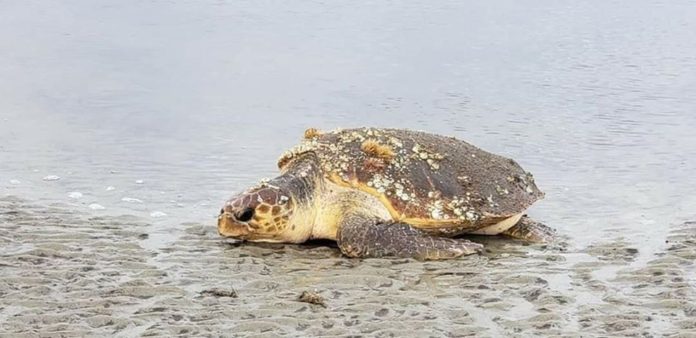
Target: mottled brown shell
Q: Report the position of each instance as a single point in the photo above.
(426, 180)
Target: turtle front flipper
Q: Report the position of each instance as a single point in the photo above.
(363, 236)
(530, 230)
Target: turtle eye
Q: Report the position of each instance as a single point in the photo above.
(222, 211)
(246, 215)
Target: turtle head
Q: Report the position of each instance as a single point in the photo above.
(260, 214)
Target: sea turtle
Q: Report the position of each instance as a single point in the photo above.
(387, 192)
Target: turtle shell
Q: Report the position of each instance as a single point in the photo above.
(426, 180)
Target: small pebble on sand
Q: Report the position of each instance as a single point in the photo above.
(51, 178)
(139, 181)
(312, 298)
(15, 182)
(131, 200)
(95, 206)
(110, 188)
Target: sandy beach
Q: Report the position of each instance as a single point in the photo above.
(68, 273)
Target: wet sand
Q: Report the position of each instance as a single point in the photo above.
(70, 273)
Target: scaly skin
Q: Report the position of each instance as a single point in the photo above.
(530, 230)
(360, 235)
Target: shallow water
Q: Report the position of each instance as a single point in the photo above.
(158, 112)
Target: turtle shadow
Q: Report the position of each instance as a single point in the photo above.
(314, 248)
(494, 247)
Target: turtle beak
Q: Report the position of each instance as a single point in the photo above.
(228, 226)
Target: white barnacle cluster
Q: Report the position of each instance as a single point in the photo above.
(528, 182)
(338, 164)
(334, 148)
(263, 183)
(401, 193)
(304, 147)
(334, 158)
(388, 186)
(460, 208)
(525, 181)
(329, 163)
(490, 201)
(351, 137)
(434, 194)
(433, 159)
(380, 183)
(501, 190)
(395, 142)
(400, 162)
(333, 163)
(472, 216)
(436, 209)
(343, 161)
(372, 132)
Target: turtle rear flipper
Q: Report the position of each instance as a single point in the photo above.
(363, 236)
(530, 230)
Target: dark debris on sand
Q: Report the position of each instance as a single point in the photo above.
(312, 298)
(219, 293)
